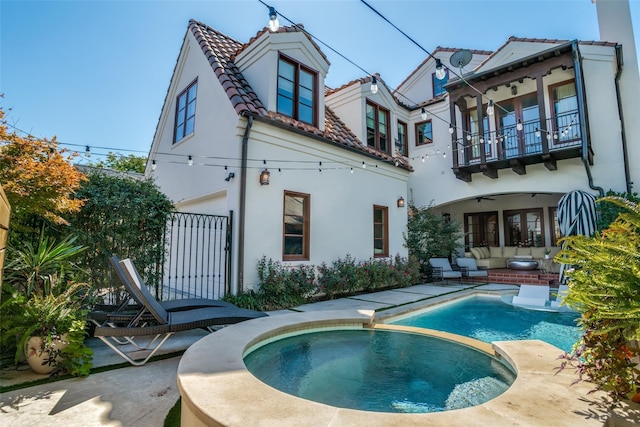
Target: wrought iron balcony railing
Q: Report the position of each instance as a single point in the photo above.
(511, 142)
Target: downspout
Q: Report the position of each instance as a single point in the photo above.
(577, 63)
(243, 197)
(625, 154)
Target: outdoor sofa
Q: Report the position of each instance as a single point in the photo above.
(497, 256)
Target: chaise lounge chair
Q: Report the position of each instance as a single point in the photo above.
(533, 295)
(469, 268)
(442, 270)
(171, 305)
(155, 321)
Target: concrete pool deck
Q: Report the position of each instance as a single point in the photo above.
(142, 396)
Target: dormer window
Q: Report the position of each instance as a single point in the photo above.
(378, 132)
(297, 91)
(438, 85)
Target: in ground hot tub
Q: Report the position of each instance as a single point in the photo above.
(380, 370)
(217, 389)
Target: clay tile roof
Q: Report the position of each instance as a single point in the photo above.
(442, 49)
(220, 50)
(535, 40)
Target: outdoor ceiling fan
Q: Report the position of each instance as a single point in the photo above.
(479, 199)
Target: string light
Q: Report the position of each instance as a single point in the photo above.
(374, 85)
(519, 125)
(423, 114)
(153, 165)
(190, 161)
(274, 24)
(440, 71)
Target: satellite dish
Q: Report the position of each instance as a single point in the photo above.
(461, 58)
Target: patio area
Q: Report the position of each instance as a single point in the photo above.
(142, 396)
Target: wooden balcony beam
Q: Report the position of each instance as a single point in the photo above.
(549, 162)
(518, 167)
(462, 174)
(488, 171)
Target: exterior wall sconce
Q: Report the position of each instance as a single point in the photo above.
(264, 177)
(401, 202)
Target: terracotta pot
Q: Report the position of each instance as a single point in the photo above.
(38, 359)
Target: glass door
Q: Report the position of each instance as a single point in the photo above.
(524, 227)
(530, 117)
(507, 128)
(481, 229)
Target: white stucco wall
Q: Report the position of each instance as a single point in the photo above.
(599, 70)
(215, 134)
(341, 202)
(615, 24)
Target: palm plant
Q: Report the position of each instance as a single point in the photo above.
(30, 269)
(604, 286)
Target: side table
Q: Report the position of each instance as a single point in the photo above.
(545, 265)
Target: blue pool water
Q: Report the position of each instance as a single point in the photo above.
(491, 319)
(382, 371)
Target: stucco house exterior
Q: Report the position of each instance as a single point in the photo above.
(493, 145)
(261, 112)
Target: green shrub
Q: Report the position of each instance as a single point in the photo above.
(124, 217)
(280, 287)
(348, 276)
(604, 286)
(430, 235)
(340, 278)
(283, 286)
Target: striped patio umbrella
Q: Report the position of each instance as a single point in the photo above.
(576, 216)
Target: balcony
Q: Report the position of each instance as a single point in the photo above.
(516, 146)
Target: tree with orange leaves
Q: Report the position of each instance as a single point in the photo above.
(37, 177)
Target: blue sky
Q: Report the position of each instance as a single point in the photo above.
(96, 72)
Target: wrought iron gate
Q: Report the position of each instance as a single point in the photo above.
(197, 262)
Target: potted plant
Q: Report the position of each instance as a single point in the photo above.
(43, 310)
(51, 329)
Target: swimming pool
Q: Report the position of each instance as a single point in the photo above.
(380, 370)
(491, 319)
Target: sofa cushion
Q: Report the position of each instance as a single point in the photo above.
(477, 254)
(495, 251)
(538, 253)
(485, 252)
(523, 251)
(509, 251)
